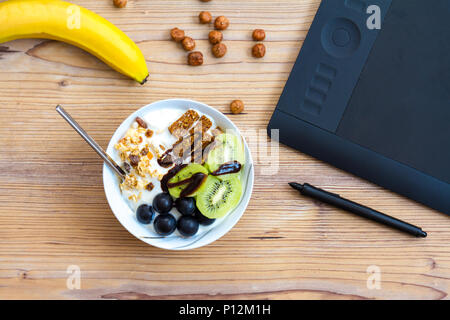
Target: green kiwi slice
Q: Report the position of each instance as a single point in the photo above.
(228, 148)
(216, 197)
(184, 175)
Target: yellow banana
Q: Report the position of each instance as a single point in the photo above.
(67, 22)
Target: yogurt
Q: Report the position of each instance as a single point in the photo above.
(144, 142)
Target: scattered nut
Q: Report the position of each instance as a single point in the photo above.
(141, 122)
(195, 58)
(205, 0)
(149, 186)
(188, 44)
(221, 23)
(219, 50)
(215, 37)
(259, 35)
(237, 106)
(259, 50)
(205, 17)
(120, 3)
(177, 34)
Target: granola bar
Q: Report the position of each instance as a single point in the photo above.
(180, 127)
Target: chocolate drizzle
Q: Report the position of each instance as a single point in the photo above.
(169, 175)
(227, 168)
(166, 160)
(193, 183)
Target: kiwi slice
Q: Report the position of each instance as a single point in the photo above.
(186, 174)
(228, 148)
(216, 197)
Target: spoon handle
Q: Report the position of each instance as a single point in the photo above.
(94, 145)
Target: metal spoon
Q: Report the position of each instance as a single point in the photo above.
(94, 145)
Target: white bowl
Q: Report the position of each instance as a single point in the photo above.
(127, 216)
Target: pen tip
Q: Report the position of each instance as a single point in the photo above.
(296, 186)
(422, 234)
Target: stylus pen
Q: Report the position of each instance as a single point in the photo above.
(360, 210)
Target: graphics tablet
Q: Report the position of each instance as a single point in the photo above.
(375, 101)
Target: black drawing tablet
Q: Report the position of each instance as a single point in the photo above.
(375, 102)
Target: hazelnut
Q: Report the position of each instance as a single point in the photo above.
(205, 17)
(177, 34)
(195, 58)
(259, 50)
(237, 106)
(188, 44)
(259, 35)
(221, 23)
(215, 37)
(120, 3)
(219, 50)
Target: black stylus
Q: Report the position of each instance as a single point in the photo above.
(360, 210)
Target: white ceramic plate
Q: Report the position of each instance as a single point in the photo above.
(127, 216)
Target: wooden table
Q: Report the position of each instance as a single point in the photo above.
(53, 211)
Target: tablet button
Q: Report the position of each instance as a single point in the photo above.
(340, 37)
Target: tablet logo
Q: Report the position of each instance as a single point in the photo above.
(374, 21)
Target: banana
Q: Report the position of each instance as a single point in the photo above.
(70, 23)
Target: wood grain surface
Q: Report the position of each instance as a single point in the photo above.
(54, 214)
